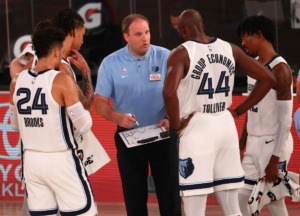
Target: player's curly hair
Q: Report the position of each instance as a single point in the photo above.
(257, 24)
(68, 20)
(44, 40)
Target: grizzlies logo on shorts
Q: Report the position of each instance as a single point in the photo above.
(186, 167)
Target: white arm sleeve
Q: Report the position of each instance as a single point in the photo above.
(284, 120)
(13, 117)
(80, 117)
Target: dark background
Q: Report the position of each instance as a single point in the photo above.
(221, 18)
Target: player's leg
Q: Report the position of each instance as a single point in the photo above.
(71, 185)
(164, 167)
(251, 164)
(195, 205)
(57, 180)
(278, 208)
(40, 198)
(25, 209)
(229, 201)
(133, 167)
(244, 196)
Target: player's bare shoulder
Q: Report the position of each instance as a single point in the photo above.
(283, 75)
(64, 68)
(178, 54)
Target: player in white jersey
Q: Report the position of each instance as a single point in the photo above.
(45, 107)
(197, 94)
(73, 26)
(266, 138)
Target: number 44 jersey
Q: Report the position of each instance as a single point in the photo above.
(208, 85)
(44, 125)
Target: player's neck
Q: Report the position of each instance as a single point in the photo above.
(44, 64)
(266, 53)
(67, 46)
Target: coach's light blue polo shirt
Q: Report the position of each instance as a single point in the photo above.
(126, 79)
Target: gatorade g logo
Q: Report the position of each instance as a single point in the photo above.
(10, 139)
(91, 15)
(21, 43)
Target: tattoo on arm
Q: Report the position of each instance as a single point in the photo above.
(86, 92)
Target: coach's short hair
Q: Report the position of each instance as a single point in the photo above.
(129, 19)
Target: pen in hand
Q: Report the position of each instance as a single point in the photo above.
(136, 122)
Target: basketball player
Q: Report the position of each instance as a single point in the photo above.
(197, 94)
(266, 134)
(72, 25)
(45, 102)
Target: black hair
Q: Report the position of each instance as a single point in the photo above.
(257, 24)
(44, 40)
(68, 20)
(43, 24)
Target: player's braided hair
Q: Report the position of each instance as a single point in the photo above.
(257, 24)
(68, 20)
(44, 40)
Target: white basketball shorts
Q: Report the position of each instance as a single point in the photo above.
(209, 158)
(258, 152)
(57, 180)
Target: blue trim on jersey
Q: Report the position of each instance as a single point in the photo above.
(250, 181)
(72, 131)
(211, 184)
(212, 41)
(65, 128)
(84, 183)
(35, 74)
(47, 212)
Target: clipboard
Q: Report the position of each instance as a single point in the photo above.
(144, 135)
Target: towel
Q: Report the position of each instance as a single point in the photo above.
(91, 152)
(264, 193)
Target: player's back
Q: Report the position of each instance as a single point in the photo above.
(44, 125)
(208, 85)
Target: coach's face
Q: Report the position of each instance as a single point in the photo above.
(138, 37)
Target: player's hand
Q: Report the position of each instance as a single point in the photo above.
(78, 60)
(164, 123)
(185, 122)
(272, 170)
(234, 114)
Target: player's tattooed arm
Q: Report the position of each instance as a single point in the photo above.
(86, 92)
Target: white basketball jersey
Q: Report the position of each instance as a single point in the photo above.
(44, 125)
(208, 85)
(262, 118)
